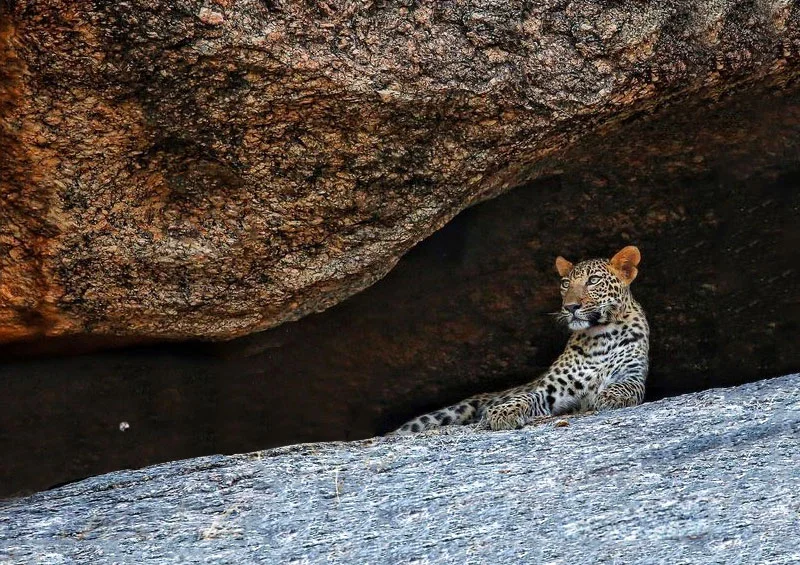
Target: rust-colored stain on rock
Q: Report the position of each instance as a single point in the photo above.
(172, 171)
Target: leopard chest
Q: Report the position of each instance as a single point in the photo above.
(593, 357)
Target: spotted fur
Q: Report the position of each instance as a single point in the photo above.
(603, 366)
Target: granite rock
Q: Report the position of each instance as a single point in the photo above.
(185, 169)
(702, 478)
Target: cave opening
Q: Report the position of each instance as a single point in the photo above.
(710, 197)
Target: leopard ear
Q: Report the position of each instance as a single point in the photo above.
(563, 266)
(624, 263)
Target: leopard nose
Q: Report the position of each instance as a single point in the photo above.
(571, 308)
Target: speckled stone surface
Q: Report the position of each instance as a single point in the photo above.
(702, 478)
(176, 169)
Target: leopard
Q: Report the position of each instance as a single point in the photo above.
(604, 364)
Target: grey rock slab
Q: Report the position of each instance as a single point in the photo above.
(710, 477)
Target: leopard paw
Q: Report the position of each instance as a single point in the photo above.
(609, 400)
(509, 416)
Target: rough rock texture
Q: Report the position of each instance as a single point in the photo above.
(704, 478)
(183, 168)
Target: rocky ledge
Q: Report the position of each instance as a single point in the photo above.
(702, 478)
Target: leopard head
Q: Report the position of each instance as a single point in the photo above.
(596, 291)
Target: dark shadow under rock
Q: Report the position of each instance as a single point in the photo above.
(709, 192)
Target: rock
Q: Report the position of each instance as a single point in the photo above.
(170, 170)
(702, 478)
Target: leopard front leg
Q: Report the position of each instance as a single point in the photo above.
(629, 392)
(515, 411)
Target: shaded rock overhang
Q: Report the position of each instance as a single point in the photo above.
(175, 170)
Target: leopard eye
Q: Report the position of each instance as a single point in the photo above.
(564, 284)
(594, 279)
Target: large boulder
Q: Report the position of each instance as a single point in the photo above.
(703, 478)
(175, 169)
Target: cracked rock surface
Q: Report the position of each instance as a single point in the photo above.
(709, 477)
